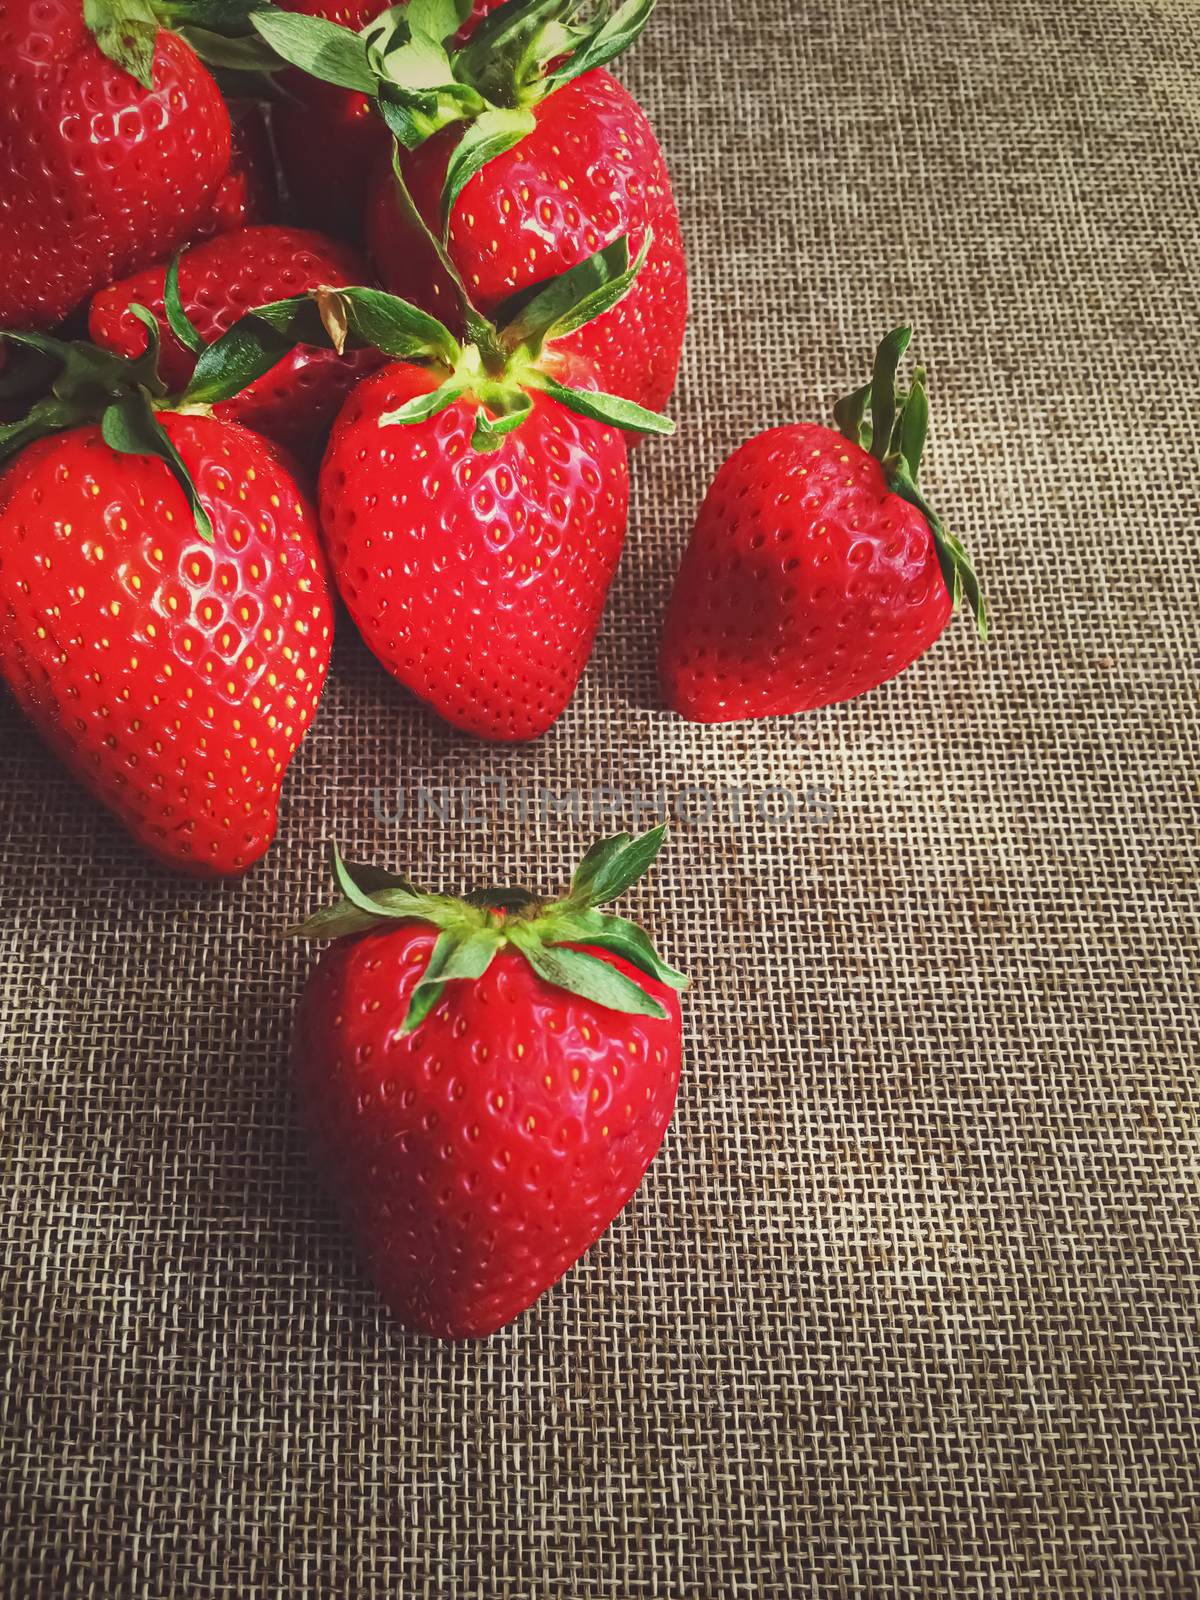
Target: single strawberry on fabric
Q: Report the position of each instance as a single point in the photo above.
(474, 499)
(817, 570)
(219, 281)
(165, 618)
(484, 1082)
(113, 141)
(524, 156)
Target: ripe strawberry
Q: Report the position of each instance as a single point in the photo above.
(474, 545)
(484, 1082)
(172, 654)
(105, 164)
(296, 401)
(529, 159)
(817, 570)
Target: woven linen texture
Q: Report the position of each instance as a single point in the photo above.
(908, 1306)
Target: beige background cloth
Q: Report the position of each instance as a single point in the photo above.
(908, 1305)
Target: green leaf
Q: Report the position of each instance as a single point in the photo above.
(610, 868)
(393, 902)
(604, 297)
(479, 330)
(370, 878)
(326, 50)
(422, 406)
(48, 416)
(594, 863)
(850, 415)
(457, 956)
(408, 119)
(608, 932)
(250, 55)
(232, 18)
(883, 389)
(410, 59)
(378, 888)
(379, 320)
(131, 426)
(584, 975)
(143, 369)
(575, 297)
(88, 375)
(428, 990)
(233, 362)
(178, 320)
(602, 45)
(490, 432)
(438, 18)
(600, 407)
(398, 328)
(914, 424)
(487, 137)
(127, 32)
(958, 574)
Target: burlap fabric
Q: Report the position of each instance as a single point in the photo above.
(908, 1305)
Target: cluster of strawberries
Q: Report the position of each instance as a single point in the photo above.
(445, 434)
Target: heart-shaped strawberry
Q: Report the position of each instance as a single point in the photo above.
(165, 619)
(484, 1082)
(817, 569)
(474, 496)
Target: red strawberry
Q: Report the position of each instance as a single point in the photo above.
(484, 1089)
(536, 161)
(174, 671)
(247, 194)
(99, 174)
(474, 507)
(816, 570)
(484, 596)
(219, 281)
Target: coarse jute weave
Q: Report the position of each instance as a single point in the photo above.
(909, 1304)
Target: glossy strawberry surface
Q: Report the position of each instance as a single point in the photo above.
(174, 678)
(590, 172)
(477, 579)
(475, 1159)
(219, 281)
(98, 176)
(807, 581)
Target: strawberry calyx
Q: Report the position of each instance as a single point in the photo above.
(219, 31)
(892, 423)
(499, 368)
(406, 63)
(473, 929)
(64, 384)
